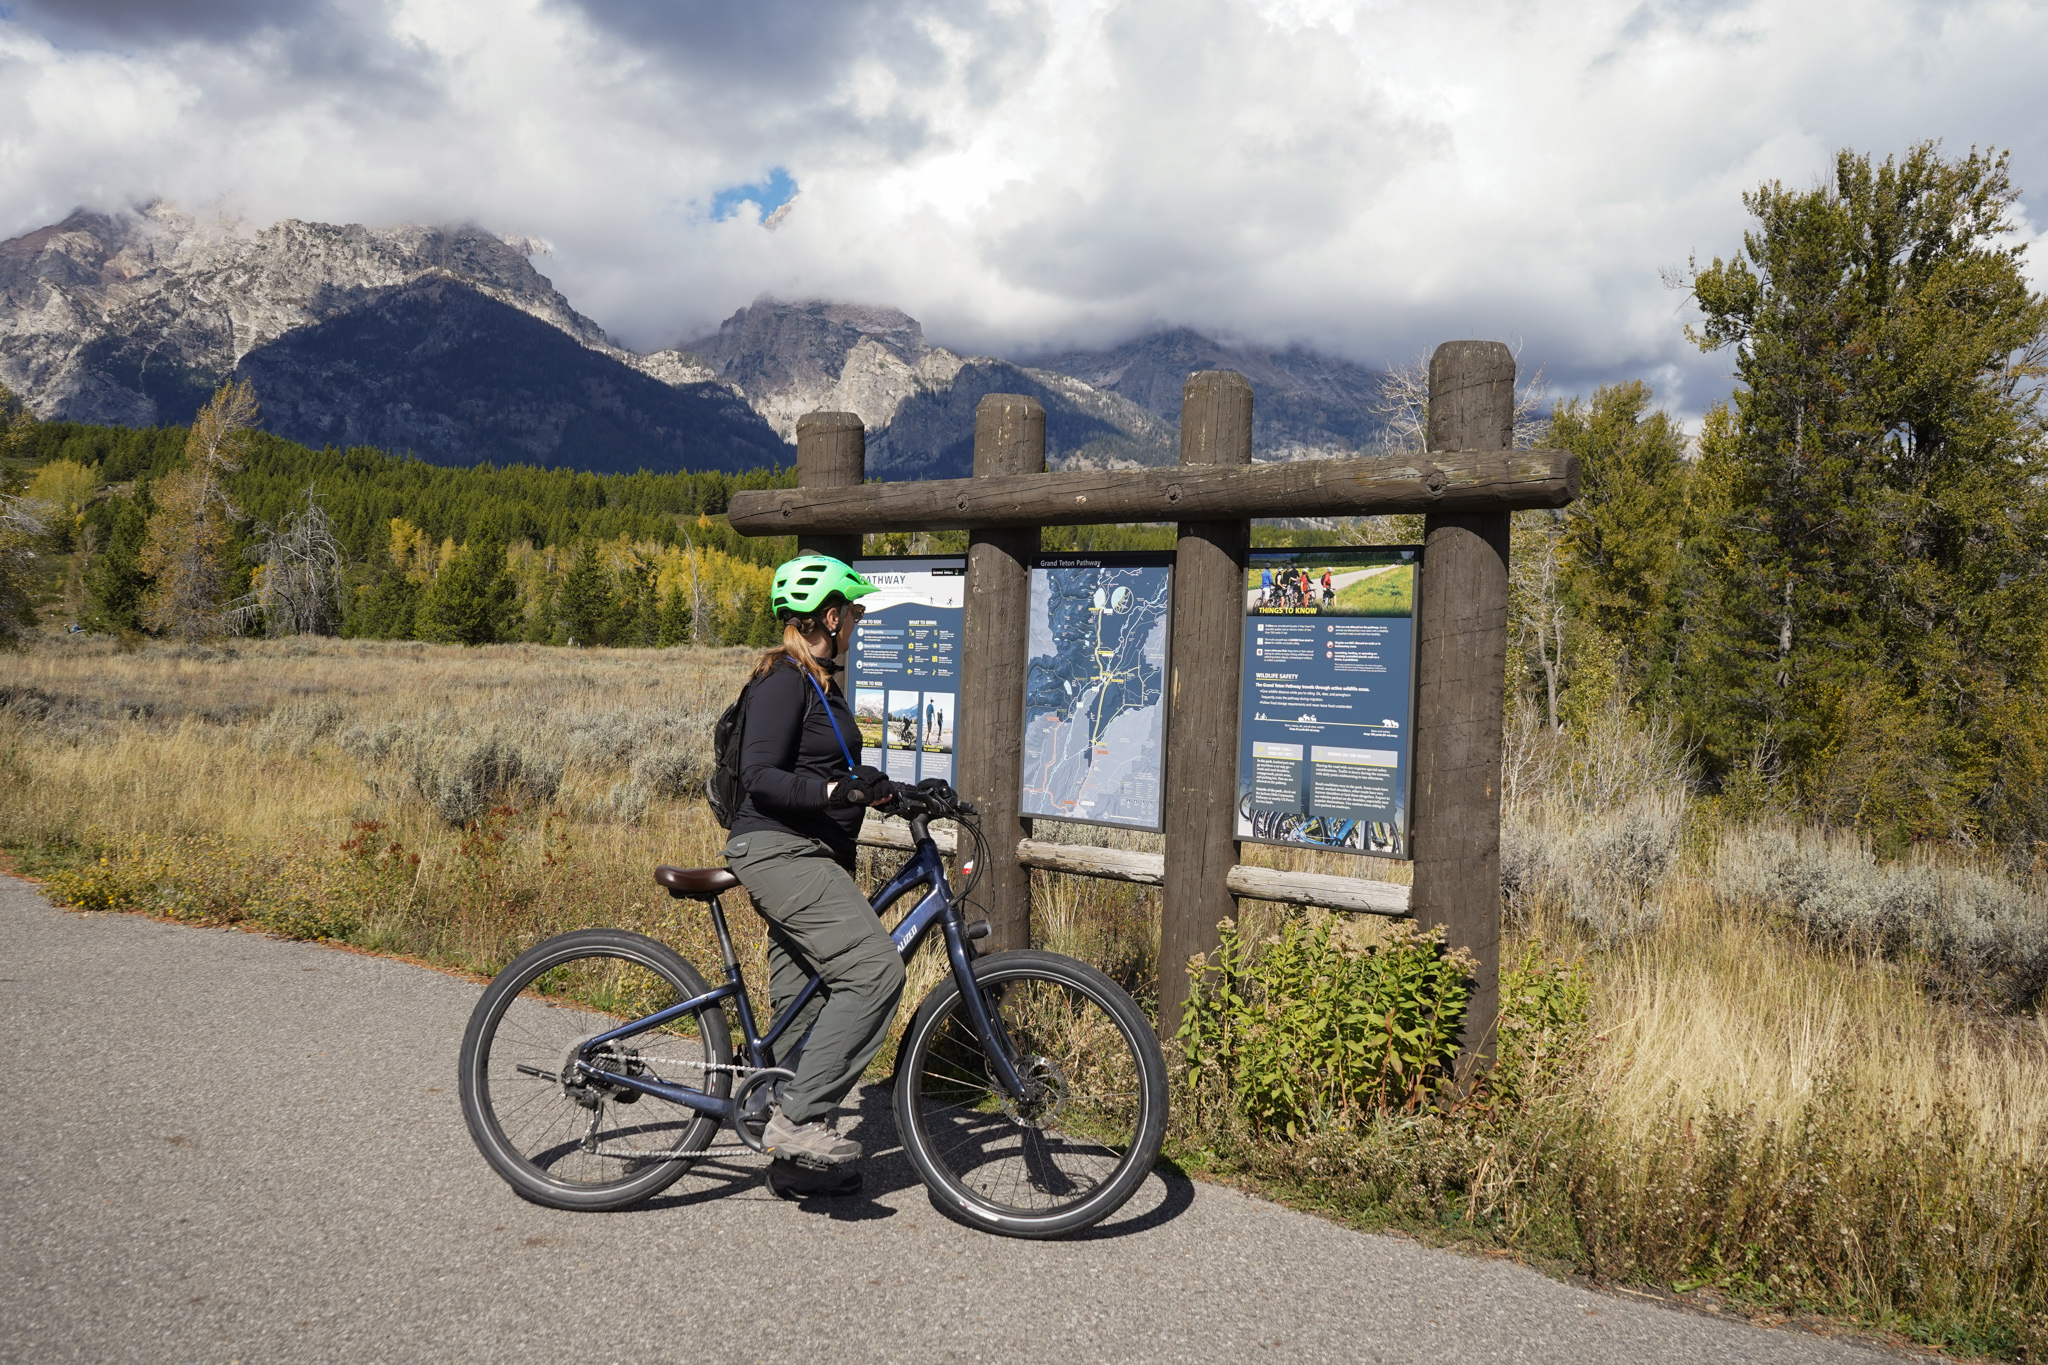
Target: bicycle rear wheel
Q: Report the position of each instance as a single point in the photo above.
(587, 1145)
(1070, 1156)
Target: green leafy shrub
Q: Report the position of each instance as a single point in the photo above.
(1312, 1028)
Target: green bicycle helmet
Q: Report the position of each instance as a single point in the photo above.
(807, 584)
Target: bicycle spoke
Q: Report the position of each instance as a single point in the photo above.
(1063, 1142)
(575, 1132)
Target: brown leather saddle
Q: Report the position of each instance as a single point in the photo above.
(695, 883)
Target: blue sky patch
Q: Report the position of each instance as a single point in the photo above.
(767, 194)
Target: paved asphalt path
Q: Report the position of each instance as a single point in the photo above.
(224, 1147)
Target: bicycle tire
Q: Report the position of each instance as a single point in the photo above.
(589, 1150)
(1065, 1163)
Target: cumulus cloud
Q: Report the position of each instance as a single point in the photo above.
(1365, 176)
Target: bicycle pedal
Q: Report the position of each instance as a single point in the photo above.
(811, 1165)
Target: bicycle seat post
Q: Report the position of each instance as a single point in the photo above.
(732, 961)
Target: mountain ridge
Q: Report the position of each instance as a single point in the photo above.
(448, 342)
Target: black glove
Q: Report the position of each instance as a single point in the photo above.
(867, 786)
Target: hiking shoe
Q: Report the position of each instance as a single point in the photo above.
(792, 1180)
(811, 1141)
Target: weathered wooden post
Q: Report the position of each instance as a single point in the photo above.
(1461, 641)
(1009, 438)
(831, 452)
(1200, 817)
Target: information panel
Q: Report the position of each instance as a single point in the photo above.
(903, 673)
(1095, 688)
(1328, 699)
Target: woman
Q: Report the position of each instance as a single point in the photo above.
(792, 846)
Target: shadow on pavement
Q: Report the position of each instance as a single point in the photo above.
(885, 1171)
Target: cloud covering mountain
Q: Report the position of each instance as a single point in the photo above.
(1364, 178)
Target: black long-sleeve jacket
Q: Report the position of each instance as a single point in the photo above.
(788, 756)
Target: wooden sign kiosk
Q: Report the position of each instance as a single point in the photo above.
(1467, 482)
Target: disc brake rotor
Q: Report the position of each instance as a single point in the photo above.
(1046, 1097)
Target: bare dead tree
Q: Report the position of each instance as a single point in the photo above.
(1537, 610)
(1402, 405)
(696, 591)
(299, 579)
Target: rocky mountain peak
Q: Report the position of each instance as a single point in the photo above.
(793, 358)
(446, 341)
(123, 317)
(1306, 404)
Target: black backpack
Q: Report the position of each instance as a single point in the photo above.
(723, 792)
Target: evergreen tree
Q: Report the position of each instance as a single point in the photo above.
(472, 599)
(763, 630)
(1874, 594)
(22, 523)
(543, 621)
(114, 581)
(1620, 541)
(386, 610)
(586, 599)
(636, 618)
(673, 627)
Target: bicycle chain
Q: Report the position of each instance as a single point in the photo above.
(731, 1149)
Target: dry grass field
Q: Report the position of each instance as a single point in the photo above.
(1798, 1078)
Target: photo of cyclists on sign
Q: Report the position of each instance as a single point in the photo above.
(1329, 672)
(1330, 583)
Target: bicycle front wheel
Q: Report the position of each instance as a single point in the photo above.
(1072, 1153)
(584, 1144)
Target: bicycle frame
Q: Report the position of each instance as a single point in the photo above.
(938, 909)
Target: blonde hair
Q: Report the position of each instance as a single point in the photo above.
(795, 648)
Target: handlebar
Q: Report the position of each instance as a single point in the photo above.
(935, 799)
(932, 798)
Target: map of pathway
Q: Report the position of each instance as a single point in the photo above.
(1093, 718)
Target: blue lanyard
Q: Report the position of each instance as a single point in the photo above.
(832, 719)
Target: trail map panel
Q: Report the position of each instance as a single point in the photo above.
(1094, 689)
(1327, 701)
(903, 673)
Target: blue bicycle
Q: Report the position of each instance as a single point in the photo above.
(1030, 1092)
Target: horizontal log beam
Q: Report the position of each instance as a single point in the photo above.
(1117, 864)
(1438, 481)
(1355, 894)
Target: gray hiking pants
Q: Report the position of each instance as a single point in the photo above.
(818, 921)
